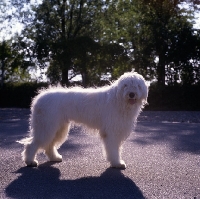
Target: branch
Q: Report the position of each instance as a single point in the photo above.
(71, 21)
(78, 21)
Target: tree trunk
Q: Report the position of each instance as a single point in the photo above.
(85, 79)
(66, 63)
(161, 76)
(161, 70)
(65, 78)
(84, 73)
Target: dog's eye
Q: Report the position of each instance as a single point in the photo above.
(140, 87)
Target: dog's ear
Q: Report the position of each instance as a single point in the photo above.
(119, 89)
(144, 88)
(120, 86)
(114, 91)
(144, 102)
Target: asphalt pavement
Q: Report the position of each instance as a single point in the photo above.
(162, 158)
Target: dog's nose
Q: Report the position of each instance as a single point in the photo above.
(131, 95)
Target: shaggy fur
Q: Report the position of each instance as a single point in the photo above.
(112, 110)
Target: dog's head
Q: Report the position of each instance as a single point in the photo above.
(132, 88)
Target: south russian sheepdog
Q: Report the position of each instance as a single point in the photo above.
(110, 110)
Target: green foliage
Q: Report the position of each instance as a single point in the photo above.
(58, 26)
(100, 38)
(161, 30)
(67, 36)
(13, 63)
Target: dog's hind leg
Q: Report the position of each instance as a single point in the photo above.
(112, 147)
(53, 154)
(59, 139)
(29, 154)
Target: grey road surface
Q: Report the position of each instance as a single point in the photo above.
(162, 157)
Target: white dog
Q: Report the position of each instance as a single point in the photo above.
(112, 110)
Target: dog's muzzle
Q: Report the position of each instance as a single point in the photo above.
(132, 99)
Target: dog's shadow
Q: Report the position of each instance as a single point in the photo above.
(44, 182)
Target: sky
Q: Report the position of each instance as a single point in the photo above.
(197, 24)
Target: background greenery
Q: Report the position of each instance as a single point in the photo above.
(99, 40)
(174, 98)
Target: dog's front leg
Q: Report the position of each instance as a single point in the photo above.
(113, 147)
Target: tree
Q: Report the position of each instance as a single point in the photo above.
(13, 14)
(95, 38)
(165, 33)
(4, 55)
(157, 35)
(81, 48)
(55, 28)
(13, 63)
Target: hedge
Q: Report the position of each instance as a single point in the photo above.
(19, 95)
(172, 98)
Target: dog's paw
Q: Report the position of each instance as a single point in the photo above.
(120, 165)
(58, 158)
(33, 163)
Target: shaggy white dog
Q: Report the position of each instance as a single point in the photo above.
(112, 110)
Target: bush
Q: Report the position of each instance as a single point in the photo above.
(171, 98)
(174, 98)
(19, 95)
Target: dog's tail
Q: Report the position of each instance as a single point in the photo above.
(25, 141)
